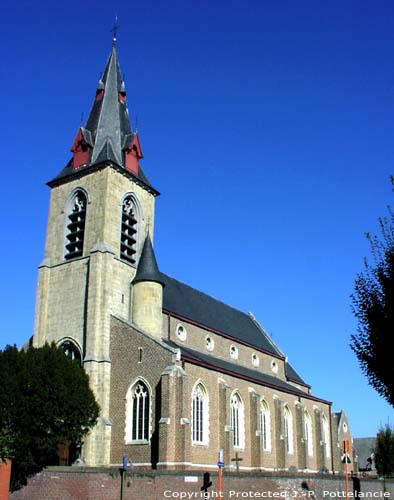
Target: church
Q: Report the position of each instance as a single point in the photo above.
(178, 374)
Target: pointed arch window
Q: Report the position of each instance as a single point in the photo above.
(237, 420)
(72, 350)
(265, 426)
(128, 237)
(200, 415)
(138, 413)
(75, 231)
(308, 433)
(288, 428)
(326, 437)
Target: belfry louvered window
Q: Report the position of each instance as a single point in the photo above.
(75, 230)
(128, 238)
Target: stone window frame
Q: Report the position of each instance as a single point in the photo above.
(265, 425)
(308, 433)
(76, 351)
(288, 430)
(209, 343)
(69, 212)
(181, 336)
(130, 408)
(234, 353)
(237, 420)
(139, 219)
(274, 366)
(255, 359)
(200, 405)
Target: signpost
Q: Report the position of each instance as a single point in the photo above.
(346, 460)
(220, 471)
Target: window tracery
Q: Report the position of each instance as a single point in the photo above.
(76, 226)
(138, 413)
(128, 238)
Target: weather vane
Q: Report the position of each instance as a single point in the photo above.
(115, 30)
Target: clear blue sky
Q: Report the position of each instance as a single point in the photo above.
(268, 127)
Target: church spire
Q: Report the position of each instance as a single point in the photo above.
(108, 122)
(108, 136)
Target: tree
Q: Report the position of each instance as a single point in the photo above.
(45, 401)
(384, 451)
(373, 306)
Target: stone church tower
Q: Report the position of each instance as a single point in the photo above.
(177, 373)
(101, 210)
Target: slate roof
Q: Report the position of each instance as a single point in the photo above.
(147, 269)
(221, 365)
(108, 129)
(197, 307)
(68, 172)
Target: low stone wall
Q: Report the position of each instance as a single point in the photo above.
(69, 483)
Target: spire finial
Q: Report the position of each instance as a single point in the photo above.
(115, 31)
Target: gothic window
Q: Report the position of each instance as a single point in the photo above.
(128, 237)
(70, 349)
(75, 230)
(325, 436)
(308, 433)
(288, 428)
(199, 415)
(265, 426)
(138, 413)
(237, 420)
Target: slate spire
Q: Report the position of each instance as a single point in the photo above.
(108, 122)
(148, 269)
(108, 136)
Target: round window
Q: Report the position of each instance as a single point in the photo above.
(233, 352)
(274, 366)
(181, 332)
(255, 359)
(209, 343)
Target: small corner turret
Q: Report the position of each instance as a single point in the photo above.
(148, 292)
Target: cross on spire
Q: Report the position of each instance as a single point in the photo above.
(114, 30)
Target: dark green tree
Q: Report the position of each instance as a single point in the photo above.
(45, 401)
(384, 451)
(373, 306)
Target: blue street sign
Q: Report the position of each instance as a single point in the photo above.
(125, 462)
(220, 464)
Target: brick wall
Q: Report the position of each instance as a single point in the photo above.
(56, 483)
